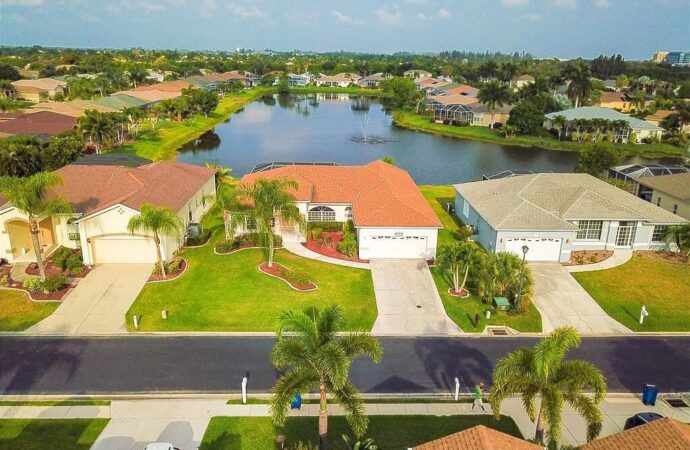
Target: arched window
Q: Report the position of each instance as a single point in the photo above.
(321, 214)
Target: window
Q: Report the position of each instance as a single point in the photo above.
(249, 224)
(348, 213)
(658, 201)
(321, 214)
(658, 233)
(675, 209)
(465, 208)
(590, 230)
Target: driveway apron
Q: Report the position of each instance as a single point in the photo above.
(407, 300)
(99, 302)
(562, 301)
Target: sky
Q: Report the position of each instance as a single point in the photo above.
(545, 28)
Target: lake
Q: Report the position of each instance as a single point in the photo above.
(355, 130)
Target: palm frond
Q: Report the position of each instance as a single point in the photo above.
(552, 409)
(296, 381)
(589, 410)
(549, 352)
(358, 344)
(353, 407)
(332, 361)
(574, 375)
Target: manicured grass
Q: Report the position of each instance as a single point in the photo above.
(54, 402)
(413, 121)
(18, 312)
(438, 197)
(228, 293)
(389, 432)
(53, 434)
(463, 311)
(661, 286)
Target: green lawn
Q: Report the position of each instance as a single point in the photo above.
(661, 286)
(228, 293)
(53, 434)
(462, 311)
(18, 312)
(413, 121)
(438, 197)
(389, 432)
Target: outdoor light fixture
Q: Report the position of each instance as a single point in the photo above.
(525, 249)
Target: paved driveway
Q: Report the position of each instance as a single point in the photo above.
(407, 300)
(562, 301)
(99, 302)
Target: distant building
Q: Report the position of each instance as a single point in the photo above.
(417, 73)
(297, 80)
(677, 58)
(615, 100)
(670, 192)
(39, 89)
(337, 80)
(524, 80)
(43, 125)
(662, 114)
(158, 77)
(640, 128)
(466, 109)
(372, 81)
(659, 57)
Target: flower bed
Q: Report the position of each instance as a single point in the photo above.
(464, 293)
(674, 257)
(173, 269)
(328, 246)
(248, 240)
(63, 261)
(52, 269)
(584, 257)
(38, 294)
(296, 280)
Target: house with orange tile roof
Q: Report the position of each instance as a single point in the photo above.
(391, 217)
(661, 434)
(478, 438)
(103, 199)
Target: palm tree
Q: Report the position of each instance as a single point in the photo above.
(272, 201)
(96, 126)
(560, 122)
(157, 220)
(134, 117)
(679, 235)
(580, 86)
(315, 356)
(8, 104)
(507, 72)
(29, 196)
(494, 93)
(458, 258)
(222, 173)
(541, 372)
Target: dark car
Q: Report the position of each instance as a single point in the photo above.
(641, 419)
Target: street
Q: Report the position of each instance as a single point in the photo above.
(143, 364)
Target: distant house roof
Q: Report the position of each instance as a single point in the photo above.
(548, 201)
(660, 115)
(41, 124)
(677, 185)
(478, 438)
(120, 101)
(462, 89)
(430, 83)
(457, 99)
(74, 108)
(484, 108)
(374, 77)
(594, 112)
(381, 194)
(417, 72)
(661, 434)
(43, 84)
(166, 86)
(525, 78)
(612, 97)
(112, 159)
(150, 95)
(340, 77)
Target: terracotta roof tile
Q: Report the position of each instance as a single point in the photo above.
(479, 438)
(662, 434)
(381, 195)
(44, 123)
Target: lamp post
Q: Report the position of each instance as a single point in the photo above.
(525, 249)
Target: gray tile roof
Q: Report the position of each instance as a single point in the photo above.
(677, 186)
(548, 201)
(594, 112)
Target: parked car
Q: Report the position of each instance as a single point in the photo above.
(160, 446)
(641, 419)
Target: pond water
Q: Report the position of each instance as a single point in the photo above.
(355, 130)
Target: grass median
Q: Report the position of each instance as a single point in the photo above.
(53, 434)
(18, 312)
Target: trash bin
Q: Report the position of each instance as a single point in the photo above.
(649, 394)
(296, 402)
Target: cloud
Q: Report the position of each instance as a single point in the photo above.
(533, 17)
(246, 11)
(512, 3)
(23, 2)
(18, 18)
(144, 6)
(207, 7)
(417, 2)
(602, 3)
(389, 17)
(88, 17)
(443, 13)
(344, 19)
(115, 10)
(572, 4)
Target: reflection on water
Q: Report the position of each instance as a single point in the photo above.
(355, 130)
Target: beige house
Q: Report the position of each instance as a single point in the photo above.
(524, 80)
(38, 90)
(338, 80)
(670, 192)
(104, 198)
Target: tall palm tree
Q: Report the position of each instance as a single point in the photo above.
(580, 86)
(507, 72)
(541, 372)
(8, 104)
(30, 196)
(458, 258)
(315, 357)
(560, 122)
(494, 93)
(272, 201)
(96, 126)
(159, 221)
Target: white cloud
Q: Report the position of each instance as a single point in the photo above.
(344, 18)
(602, 3)
(115, 10)
(389, 17)
(207, 7)
(144, 5)
(246, 12)
(572, 4)
(22, 2)
(512, 3)
(443, 13)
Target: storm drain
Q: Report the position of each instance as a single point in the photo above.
(498, 331)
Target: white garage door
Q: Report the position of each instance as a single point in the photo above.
(540, 249)
(123, 249)
(396, 246)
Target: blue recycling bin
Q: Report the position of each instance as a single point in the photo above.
(649, 394)
(296, 402)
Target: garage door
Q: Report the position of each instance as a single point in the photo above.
(123, 249)
(540, 249)
(396, 246)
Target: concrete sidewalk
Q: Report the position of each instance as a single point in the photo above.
(182, 422)
(300, 250)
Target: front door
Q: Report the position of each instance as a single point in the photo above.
(626, 234)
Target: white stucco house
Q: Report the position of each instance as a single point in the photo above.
(391, 217)
(554, 214)
(640, 128)
(103, 199)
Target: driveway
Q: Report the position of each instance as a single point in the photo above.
(562, 301)
(407, 300)
(99, 302)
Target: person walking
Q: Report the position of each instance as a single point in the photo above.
(478, 391)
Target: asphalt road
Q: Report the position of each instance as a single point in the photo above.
(138, 364)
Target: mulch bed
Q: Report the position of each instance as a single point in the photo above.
(330, 250)
(36, 295)
(464, 293)
(278, 271)
(170, 276)
(52, 269)
(584, 257)
(673, 257)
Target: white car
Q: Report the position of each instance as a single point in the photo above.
(160, 446)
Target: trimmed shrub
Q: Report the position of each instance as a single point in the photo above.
(53, 283)
(350, 226)
(326, 226)
(244, 240)
(296, 277)
(60, 257)
(201, 239)
(32, 284)
(316, 233)
(5, 280)
(74, 263)
(225, 246)
(348, 245)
